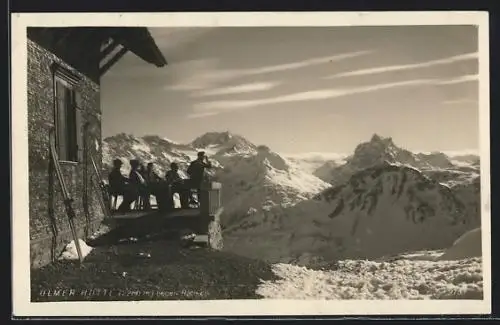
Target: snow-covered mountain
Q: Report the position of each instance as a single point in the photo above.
(384, 209)
(259, 182)
(380, 149)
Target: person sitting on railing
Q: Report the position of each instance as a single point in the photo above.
(142, 170)
(117, 182)
(136, 188)
(196, 171)
(151, 176)
(152, 184)
(177, 185)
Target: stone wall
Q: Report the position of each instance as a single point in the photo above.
(49, 226)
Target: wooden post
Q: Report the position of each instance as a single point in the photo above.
(215, 209)
(204, 201)
(214, 197)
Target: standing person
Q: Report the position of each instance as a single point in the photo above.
(196, 171)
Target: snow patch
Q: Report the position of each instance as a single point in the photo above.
(171, 141)
(311, 162)
(467, 246)
(70, 252)
(356, 279)
(141, 146)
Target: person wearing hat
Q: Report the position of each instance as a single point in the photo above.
(172, 176)
(196, 169)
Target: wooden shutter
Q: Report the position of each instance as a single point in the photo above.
(61, 121)
(72, 126)
(80, 134)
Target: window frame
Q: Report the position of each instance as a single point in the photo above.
(68, 80)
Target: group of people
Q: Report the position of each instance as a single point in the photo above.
(143, 181)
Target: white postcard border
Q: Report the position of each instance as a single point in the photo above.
(20, 211)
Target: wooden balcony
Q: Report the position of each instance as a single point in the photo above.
(204, 220)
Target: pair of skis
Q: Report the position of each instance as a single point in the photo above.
(101, 186)
(67, 199)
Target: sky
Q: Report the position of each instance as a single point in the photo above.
(303, 89)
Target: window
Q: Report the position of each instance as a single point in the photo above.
(67, 119)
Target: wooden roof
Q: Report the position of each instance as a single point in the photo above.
(88, 53)
(139, 41)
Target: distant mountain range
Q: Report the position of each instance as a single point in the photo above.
(380, 200)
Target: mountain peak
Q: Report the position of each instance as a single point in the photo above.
(121, 137)
(212, 138)
(263, 149)
(223, 143)
(380, 149)
(375, 138)
(377, 145)
(379, 139)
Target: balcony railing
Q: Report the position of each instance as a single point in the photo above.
(210, 198)
(209, 203)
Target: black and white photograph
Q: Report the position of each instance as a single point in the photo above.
(251, 161)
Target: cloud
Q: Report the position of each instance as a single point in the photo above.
(466, 78)
(464, 152)
(202, 78)
(227, 106)
(316, 155)
(390, 68)
(452, 153)
(306, 63)
(211, 76)
(246, 88)
(460, 101)
(302, 96)
(201, 114)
